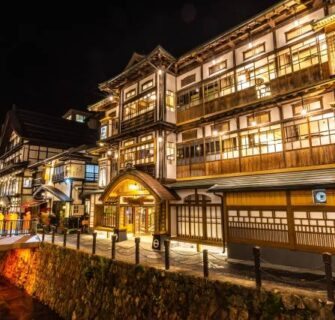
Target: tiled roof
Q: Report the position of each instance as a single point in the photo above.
(45, 129)
(268, 181)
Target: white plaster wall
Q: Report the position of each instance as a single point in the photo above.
(148, 78)
(268, 39)
(280, 32)
(127, 89)
(227, 56)
(196, 71)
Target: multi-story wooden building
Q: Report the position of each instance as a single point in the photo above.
(28, 138)
(245, 126)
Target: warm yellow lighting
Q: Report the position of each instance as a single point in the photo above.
(215, 133)
(101, 144)
(111, 98)
(213, 61)
(160, 139)
(250, 45)
(253, 123)
(296, 23)
(160, 71)
(116, 155)
(109, 152)
(133, 186)
(303, 112)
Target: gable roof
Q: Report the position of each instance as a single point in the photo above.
(135, 58)
(46, 130)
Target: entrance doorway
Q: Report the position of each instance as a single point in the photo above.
(138, 219)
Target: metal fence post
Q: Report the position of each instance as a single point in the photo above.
(327, 260)
(167, 254)
(257, 261)
(53, 234)
(78, 239)
(43, 233)
(205, 262)
(113, 246)
(33, 230)
(94, 242)
(137, 250)
(10, 230)
(65, 237)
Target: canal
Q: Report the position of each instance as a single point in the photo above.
(15, 304)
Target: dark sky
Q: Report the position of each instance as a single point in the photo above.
(53, 55)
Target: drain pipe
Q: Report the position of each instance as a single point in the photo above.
(222, 221)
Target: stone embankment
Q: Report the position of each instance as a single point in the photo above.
(80, 286)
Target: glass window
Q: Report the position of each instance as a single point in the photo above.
(170, 100)
(103, 132)
(254, 51)
(92, 172)
(259, 118)
(217, 67)
(103, 177)
(298, 31)
(80, 118)
(147, 85)
(130, 94)
(187, 80)
(170, 150)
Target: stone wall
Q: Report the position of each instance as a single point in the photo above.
(79, 286)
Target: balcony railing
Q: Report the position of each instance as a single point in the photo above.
(58, 177)
(138, 121)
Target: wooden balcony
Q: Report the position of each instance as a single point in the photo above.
(279, 86)
(138, 121)
(314, 156)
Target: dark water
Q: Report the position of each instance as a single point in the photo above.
(15, 304)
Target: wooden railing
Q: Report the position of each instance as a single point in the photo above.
(138, 121)
(278, 86)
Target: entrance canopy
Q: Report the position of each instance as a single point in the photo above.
(54, 191)
(136, 183)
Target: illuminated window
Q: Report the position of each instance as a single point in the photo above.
(130, 93)
(254, 51)
(147, 85)
(298, 31)
(189, 98)
(80, 118)
(170, 100)
(27, 182)
(259, 118)
(217, 67)
(220, 127)
(309, 105)
(103, 132)
(140, 106)
(91, 172)
(211, 90)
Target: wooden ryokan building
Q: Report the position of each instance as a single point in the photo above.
(230, 144)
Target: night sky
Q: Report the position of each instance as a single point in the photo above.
(53, 55)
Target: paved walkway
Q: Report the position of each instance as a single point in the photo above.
(19, 242)
(186, 259)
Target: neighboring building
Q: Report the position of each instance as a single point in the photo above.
(245, 126)
(27, 138)
(68, 180)
(77, 115)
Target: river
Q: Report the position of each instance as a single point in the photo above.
(15, 304)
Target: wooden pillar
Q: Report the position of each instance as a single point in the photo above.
(290, 221)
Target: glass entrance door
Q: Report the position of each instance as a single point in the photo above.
(144, 220)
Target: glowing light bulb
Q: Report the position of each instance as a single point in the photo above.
(250, 45)
(109, 152)
(111, 98)
(215, 133)
(253, 123)
(303, 112)
(160, 139)
(296, 22)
